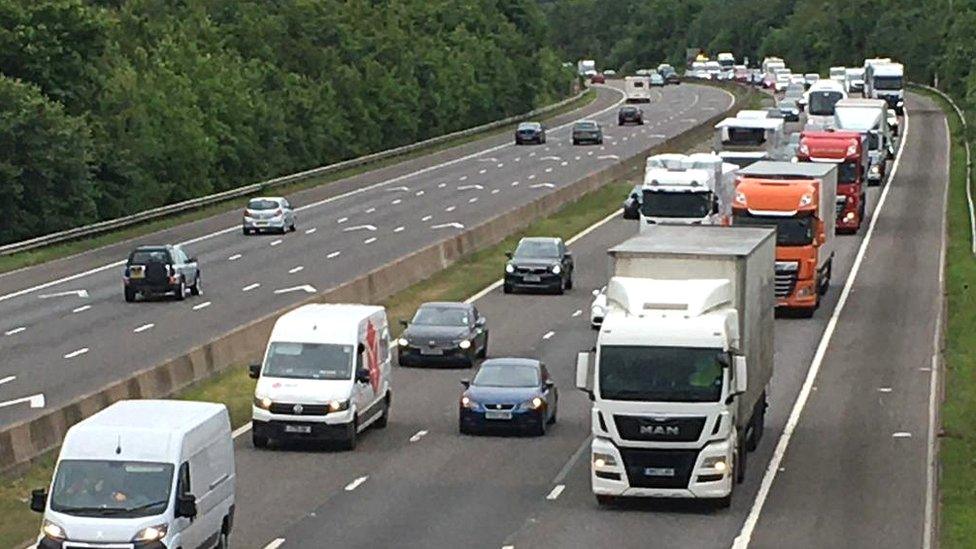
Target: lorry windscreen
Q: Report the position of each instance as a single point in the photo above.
(847, 172)
(664, 204)
(308, 361)
(888, 82)
(660, 374)
(790, 231)
(822, 103)
(116, 489)
(744, 137)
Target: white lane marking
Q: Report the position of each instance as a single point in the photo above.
(78, 293)
(589, 153)
(36, 401)
(81, 309)
(276, 242)
(250, 287)
(369, 240)
(307, 288)
(454, 225)
(495, 191)
(342, 220)
(482, 171)
(489, 159)
(608, 157)
(311, 231)
(7, 379)
(14, 331)
(333, 255)
(884, 389)
(657, 136)
(472, 200)
(79, 352)
(500, 165)
(395, 202)
(418, 435)
(402, 188)
(558, 489)
(549, 334)
(548, 170)
(398, 230)
(276, 543)
(203, 305)
(370, 210)
(577, 157)
(531, 154)
(518, 158)
(420, 193)
(745, 535)
(564, 164)
(469, 187)
(463, 178)
(515, 183)
(577, 312)
(236, 227)
(234, 257)
(427, 218)
(543, 185)
(369, 228)
(356, 483)
(143, 328)
(901, 434)
(442, 185)
(550, 158)
(297, 269)
(449, 209)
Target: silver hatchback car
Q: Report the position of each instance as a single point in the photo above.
(272, 213)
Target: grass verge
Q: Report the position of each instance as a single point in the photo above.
(66, 249)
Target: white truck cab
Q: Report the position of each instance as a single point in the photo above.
(687, 190)
(887, 81)
(870, 118)
(325, 375)
(142, 473)
(742, 141)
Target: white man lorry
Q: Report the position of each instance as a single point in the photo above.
(683, 358)
(693, 189)
(886, 81)
(869, 117)
(743, 141)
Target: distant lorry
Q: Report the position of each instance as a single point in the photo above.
(845, 150)
(855, 80)
(820, 100)
(726, 60)
(799, 200)
(586, 67)
(839, 75)
(770, 64)
(742, 141)
(886, 81)
(638, 89)
(693, 189)
(870, 118)
(682, 362)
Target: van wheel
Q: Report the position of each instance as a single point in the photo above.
(350, 443)
(384, 419)
(259, 441)
(181, 290)
(604, 501)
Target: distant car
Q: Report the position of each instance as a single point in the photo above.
(672, 78)
(268, 213)
(893, 121)
(798, 79)
(789, 109)
(598, 309)
(587, 131)
(610, 73)
(530, 132)
(159, 270)
(793, 145)
(642, 72)
(633, 203)
(628, 114)
(443, 333)
(539, 263)
(774, 112)
(508, 393)
(810, 79)
(657, 79)
(598, 78)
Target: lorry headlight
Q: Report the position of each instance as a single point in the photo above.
(262, 402)
(53, 531)
(715, 462)
(556, 269)
(603, 460)
(338, 405)
(151, 533)
(509, 268)
(805, 291)
(403, 342)
(464, 344)
(849, 217)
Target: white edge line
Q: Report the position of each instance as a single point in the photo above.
(745, 535)
(556, 490)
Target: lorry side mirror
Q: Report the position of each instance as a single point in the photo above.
(741, 375)
(38, 500)
(186, 506)
(254, 371)
(584, 361)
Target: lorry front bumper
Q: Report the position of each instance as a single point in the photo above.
(803, 296)
(644, 472)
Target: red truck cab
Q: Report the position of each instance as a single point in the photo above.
(847, 151)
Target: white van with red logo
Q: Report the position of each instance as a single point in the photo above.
(325, 375)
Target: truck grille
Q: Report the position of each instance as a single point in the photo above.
(786, 274)
(839, 207)
(288, 409)
(665, 429)
(649, 468)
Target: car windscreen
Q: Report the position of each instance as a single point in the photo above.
(441, 316)
(660, 374)
(888, 82)
(507, 375)
(308, 361)
(145, 257)
(790, 231)
(260, 204)
(585, 126)
(665, 204)
(528, 128)
(116, 489)
(537, 248)
(822, 103)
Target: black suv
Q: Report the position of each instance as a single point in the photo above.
(539, 264)
(157, 270)
(628, 115)
(530, 132)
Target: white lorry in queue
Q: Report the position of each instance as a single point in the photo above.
(870, 118)
(742, 141)
(693, 189)
(683, 358)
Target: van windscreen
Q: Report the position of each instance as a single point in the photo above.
(309, 361)
(111, 489)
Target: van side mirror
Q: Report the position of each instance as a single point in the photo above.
(362, 375)
(741, 375)
(254, 371)
(186, 506)
(38, 500)
(584, 365)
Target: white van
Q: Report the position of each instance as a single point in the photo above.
(638, 89)
(325, 375)
(142, 473)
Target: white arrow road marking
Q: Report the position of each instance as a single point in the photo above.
(398, 229)
(426, 218)
(310, 231)
(369, 240)
(541, 185)
(558, 489)
(250, 287)
(395, 202)
(203, 305)
(81, 309)
(608, 157)
(15, 331)
(469, 187)
(454, 225)
(307, 288)
(404, 189)
(297, 269)
(276, 242)
(342, 220)
(36, 401)
(369, 228)
(143, 328)
(275, 544)
(333, 255)
(356, 483)
(234, 257)
(418, 435)
(79, 293)
(8, 379)
(79, 352)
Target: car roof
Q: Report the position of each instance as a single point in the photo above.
(552, 239)
(530, 125)
(586, 123)
(511, 361)
(154, 248)
(446, 305)
(275, 198)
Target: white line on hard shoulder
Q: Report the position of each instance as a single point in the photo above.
(203, 305)
(81, 309)
(250, 287)
(143, 328)
(333, 255)
(549, 334)
(418, 435)
(275, 544)
(356, 483)
(745, 535)
(556, 490)
(7, 379)
(79, 352)
(234, 257)
(14, 331)
(297, 269)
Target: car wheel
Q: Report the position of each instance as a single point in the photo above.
(197, 288)
(222, 541)
(552, 420)
(600, 142)
(569, 282)
(246, 231)
(575, 141)
(292, 227)
(462, 429)
(506, 288)
(259, 441)
(540, 431)
(605, 501)
(181, 290)
(561, 289)
(130, 295)
(484, 350)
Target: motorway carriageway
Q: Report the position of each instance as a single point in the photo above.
(853, 475)
(75, 334)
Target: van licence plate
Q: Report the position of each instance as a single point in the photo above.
(533, 278)
(433, 352)
(495, 414)
(658, 472)
(301, 429)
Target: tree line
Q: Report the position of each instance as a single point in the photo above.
(108, 107)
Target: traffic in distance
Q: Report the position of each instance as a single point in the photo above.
(678, 377)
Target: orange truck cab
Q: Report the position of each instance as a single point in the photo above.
(798, 199)
(846, 150)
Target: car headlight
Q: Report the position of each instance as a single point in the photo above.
(338, 405)
(464, 344)
(509, 268)
(151, 533)
(468, 403)
(875, 169)
(556, 269)
(603, 460)
(262, 402)
(716, 462)
(403, 342)
(533, 404)
(53, 531)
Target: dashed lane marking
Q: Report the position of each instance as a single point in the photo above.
(143, 328)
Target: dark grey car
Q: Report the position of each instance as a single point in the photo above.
(443, 333)
(158, 270)
(530, 132)
(587, 131)
(539, 263)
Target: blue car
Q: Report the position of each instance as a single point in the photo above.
(514, 394)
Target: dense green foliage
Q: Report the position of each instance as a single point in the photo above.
(109, 107)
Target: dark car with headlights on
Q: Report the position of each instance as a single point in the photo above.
(511, 394)
(158, 270)
(443, 333)
(629, 114)
(539, 263)
(530, 132)
(790, 109)
(633, 203)
(587, 131)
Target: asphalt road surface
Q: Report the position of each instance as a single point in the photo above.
(850, 476)
(65, 330)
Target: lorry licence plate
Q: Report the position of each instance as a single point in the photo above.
(533, 278)
(494, 414)
(303, 429)
(658, 472)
